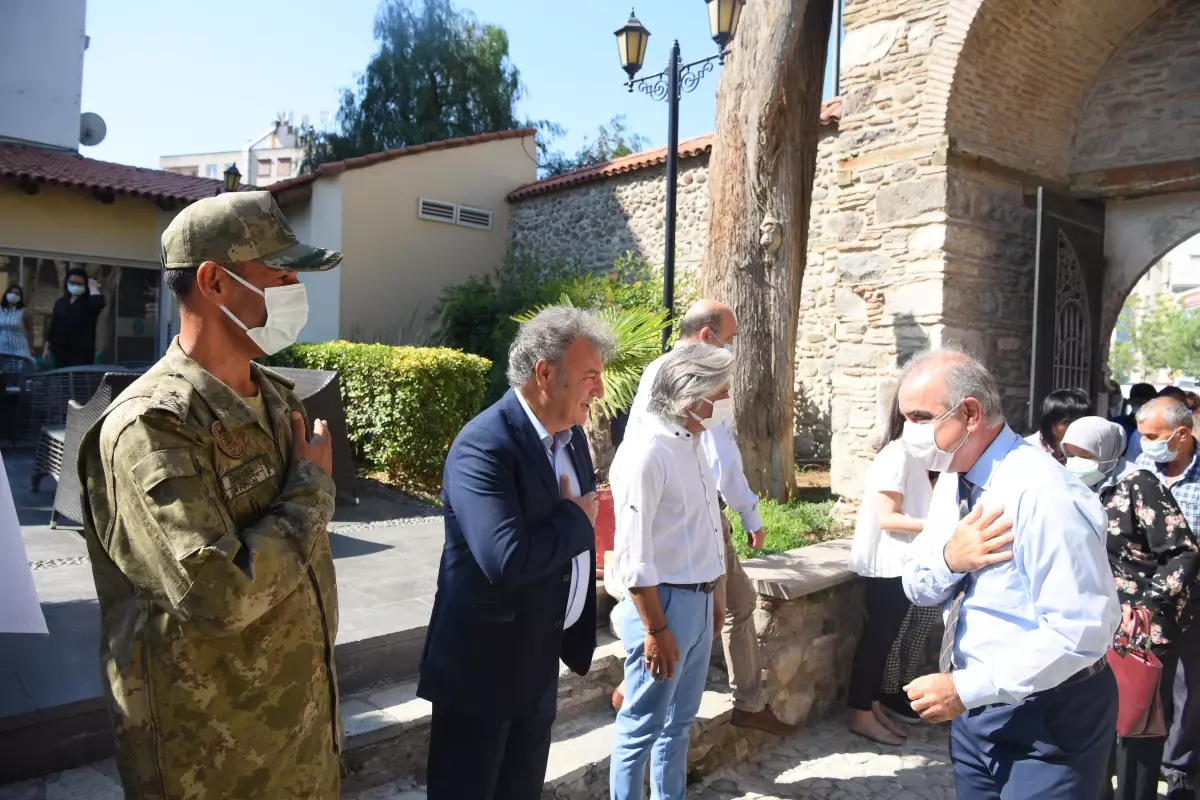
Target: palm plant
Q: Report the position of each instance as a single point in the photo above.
(638, 334)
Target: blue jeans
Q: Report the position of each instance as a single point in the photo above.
(655, 720)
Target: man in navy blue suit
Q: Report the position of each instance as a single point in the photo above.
(517, 584)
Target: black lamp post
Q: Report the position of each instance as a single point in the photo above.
(233, 178)
(669, 85)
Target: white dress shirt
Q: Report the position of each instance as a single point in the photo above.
(720, 450)
(665, 499)
(1027, 624)
(560, 461)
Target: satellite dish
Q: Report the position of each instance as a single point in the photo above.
(91, 129)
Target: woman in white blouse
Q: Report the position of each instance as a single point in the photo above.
(893, 510)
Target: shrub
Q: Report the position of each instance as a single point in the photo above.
(404, 405)
(796, 523)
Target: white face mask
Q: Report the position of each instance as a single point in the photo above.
(13, 298)
(728, 347)
(918, 440)
(1086, 469)
(722, 411)
(76, 289)
(1159, 451)
(287, 311)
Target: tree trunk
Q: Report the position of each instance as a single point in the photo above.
(760, 189)
(599, 435)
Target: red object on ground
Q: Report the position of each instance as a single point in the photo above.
(606, 527)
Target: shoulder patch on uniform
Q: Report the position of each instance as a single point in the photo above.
(173, 395)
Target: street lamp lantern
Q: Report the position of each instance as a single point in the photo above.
(631, 45)
(233, 178)
(670, 84)
(723, 16)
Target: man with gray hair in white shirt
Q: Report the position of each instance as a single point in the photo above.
(669, 553)
(713, 323)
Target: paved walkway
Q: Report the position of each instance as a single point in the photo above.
(386, 550)
(824, 762)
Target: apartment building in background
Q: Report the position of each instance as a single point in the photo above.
(271, 157)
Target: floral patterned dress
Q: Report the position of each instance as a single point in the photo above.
(1152, 552)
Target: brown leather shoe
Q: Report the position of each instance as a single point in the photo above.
(618, 699)
(764, 720)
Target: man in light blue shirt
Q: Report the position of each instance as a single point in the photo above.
(1024, 678)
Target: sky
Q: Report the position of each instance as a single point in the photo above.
(191, 76)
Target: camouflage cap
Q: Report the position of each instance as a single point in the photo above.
(235, 227)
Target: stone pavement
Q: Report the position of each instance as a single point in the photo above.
(823, 762)
(827, 762)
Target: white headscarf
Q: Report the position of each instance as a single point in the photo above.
(1105, 440)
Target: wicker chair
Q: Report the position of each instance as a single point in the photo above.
(45, 395)
(80, 418)
(322, 397)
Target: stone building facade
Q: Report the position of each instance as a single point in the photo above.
(982, 144)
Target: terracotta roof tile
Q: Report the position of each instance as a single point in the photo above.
(831, 114)
(37, 165)
(336, 167)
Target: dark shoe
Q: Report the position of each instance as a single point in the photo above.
(1179, 787)
(898, 706)
(618, 699)
(764, 721)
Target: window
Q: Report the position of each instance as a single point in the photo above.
(182, 170)
(210, 170)
(264, 168)
(285, 168)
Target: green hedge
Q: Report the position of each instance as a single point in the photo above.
(404, 405)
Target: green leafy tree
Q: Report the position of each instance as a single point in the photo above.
(1122, 357)
(1160, 336)
(439, 73)
(613, 140)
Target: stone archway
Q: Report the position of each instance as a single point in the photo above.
(955, 113)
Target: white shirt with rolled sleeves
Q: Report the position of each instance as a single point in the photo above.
(560, 460)
(668, 525)
(720, 450)
(1030, 623)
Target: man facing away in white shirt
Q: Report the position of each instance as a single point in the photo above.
(669, 553)
(712, 323)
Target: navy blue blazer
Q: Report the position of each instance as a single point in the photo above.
(496, 634)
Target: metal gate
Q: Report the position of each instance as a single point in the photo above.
(1068, 279)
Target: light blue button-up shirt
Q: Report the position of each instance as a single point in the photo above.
(560, 462)
(1030, 623)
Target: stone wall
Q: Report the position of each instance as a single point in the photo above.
(1145, 105)
(809, 616)
(816, 337)
(889, 222)
(597, 222)
(990, 244)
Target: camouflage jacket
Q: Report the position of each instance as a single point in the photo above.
(217, 592)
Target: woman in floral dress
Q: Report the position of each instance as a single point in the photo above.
(1154, 559)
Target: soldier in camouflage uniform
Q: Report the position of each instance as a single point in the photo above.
(206, 505)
